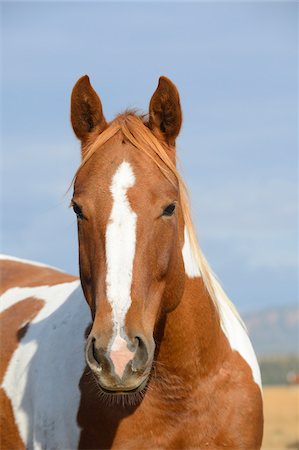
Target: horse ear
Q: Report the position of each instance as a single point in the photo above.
(86, 110)
(165, 114)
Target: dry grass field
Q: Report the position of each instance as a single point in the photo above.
(281, 411)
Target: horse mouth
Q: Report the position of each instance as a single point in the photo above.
(122, 390)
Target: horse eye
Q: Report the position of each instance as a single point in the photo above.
(169, 210)
(78, 211)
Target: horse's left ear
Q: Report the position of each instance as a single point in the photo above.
(165, 114)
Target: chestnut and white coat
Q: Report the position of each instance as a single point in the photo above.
(145, 350)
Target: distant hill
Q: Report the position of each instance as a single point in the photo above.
(275, 331)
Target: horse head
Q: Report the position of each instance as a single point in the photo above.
(130, 229)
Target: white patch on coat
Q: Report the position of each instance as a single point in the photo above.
(27, 261)
(42, 378)
(190, 261)
(238, 338)
(120, 252)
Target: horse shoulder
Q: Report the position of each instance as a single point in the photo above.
(226, 410)
(239, 387)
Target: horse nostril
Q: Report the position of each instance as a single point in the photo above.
(92, 355)
(141, 355)
(137, 341)
(94, 351)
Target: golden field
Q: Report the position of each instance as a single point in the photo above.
(281, 413)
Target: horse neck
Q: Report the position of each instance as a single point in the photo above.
(191, 342)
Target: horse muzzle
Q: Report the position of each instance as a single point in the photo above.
(123, 369)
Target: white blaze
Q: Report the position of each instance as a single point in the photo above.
(120, 252)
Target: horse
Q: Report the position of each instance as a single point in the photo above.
(145, 350)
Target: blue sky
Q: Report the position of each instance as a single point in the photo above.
(235, 67)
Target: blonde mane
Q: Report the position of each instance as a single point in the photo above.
(134, 129)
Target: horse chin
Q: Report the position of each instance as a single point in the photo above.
(123, 390)
(122, 397)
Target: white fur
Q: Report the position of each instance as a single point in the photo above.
(190, 261)
(42, 379)
(238, 338)
(120, 250)
(27, 261)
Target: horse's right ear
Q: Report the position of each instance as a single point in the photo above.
(86, 110)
